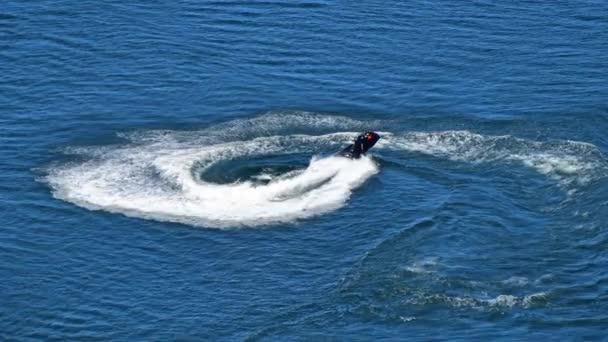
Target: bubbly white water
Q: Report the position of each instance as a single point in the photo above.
(157, 180)
(158, 174)
(565, 161)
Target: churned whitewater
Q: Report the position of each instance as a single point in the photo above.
(168, 170)
(161, 174)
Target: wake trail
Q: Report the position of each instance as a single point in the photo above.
(160, 174)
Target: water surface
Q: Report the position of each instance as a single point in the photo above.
(167, 170)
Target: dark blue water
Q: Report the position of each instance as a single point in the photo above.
(166, 170)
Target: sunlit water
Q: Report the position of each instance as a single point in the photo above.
(169, 171)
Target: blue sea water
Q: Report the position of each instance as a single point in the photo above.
(167, 170)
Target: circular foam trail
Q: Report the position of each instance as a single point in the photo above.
(160, 179)
(160, 174)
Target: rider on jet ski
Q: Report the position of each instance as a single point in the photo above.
(361, 145)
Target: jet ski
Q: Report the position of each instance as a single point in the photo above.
(361, 145)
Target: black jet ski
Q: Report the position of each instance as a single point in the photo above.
(361, 145)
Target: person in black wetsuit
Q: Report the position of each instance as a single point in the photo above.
(361, 145)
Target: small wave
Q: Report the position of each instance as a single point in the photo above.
(516, 281)
(424, 266)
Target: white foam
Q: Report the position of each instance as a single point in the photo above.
(535, 299)
(159, 179)
(406, 319)
(565, 161)
(157, 174)
(502, 300)
(498, 302)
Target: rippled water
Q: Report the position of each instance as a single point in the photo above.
(168, 170)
